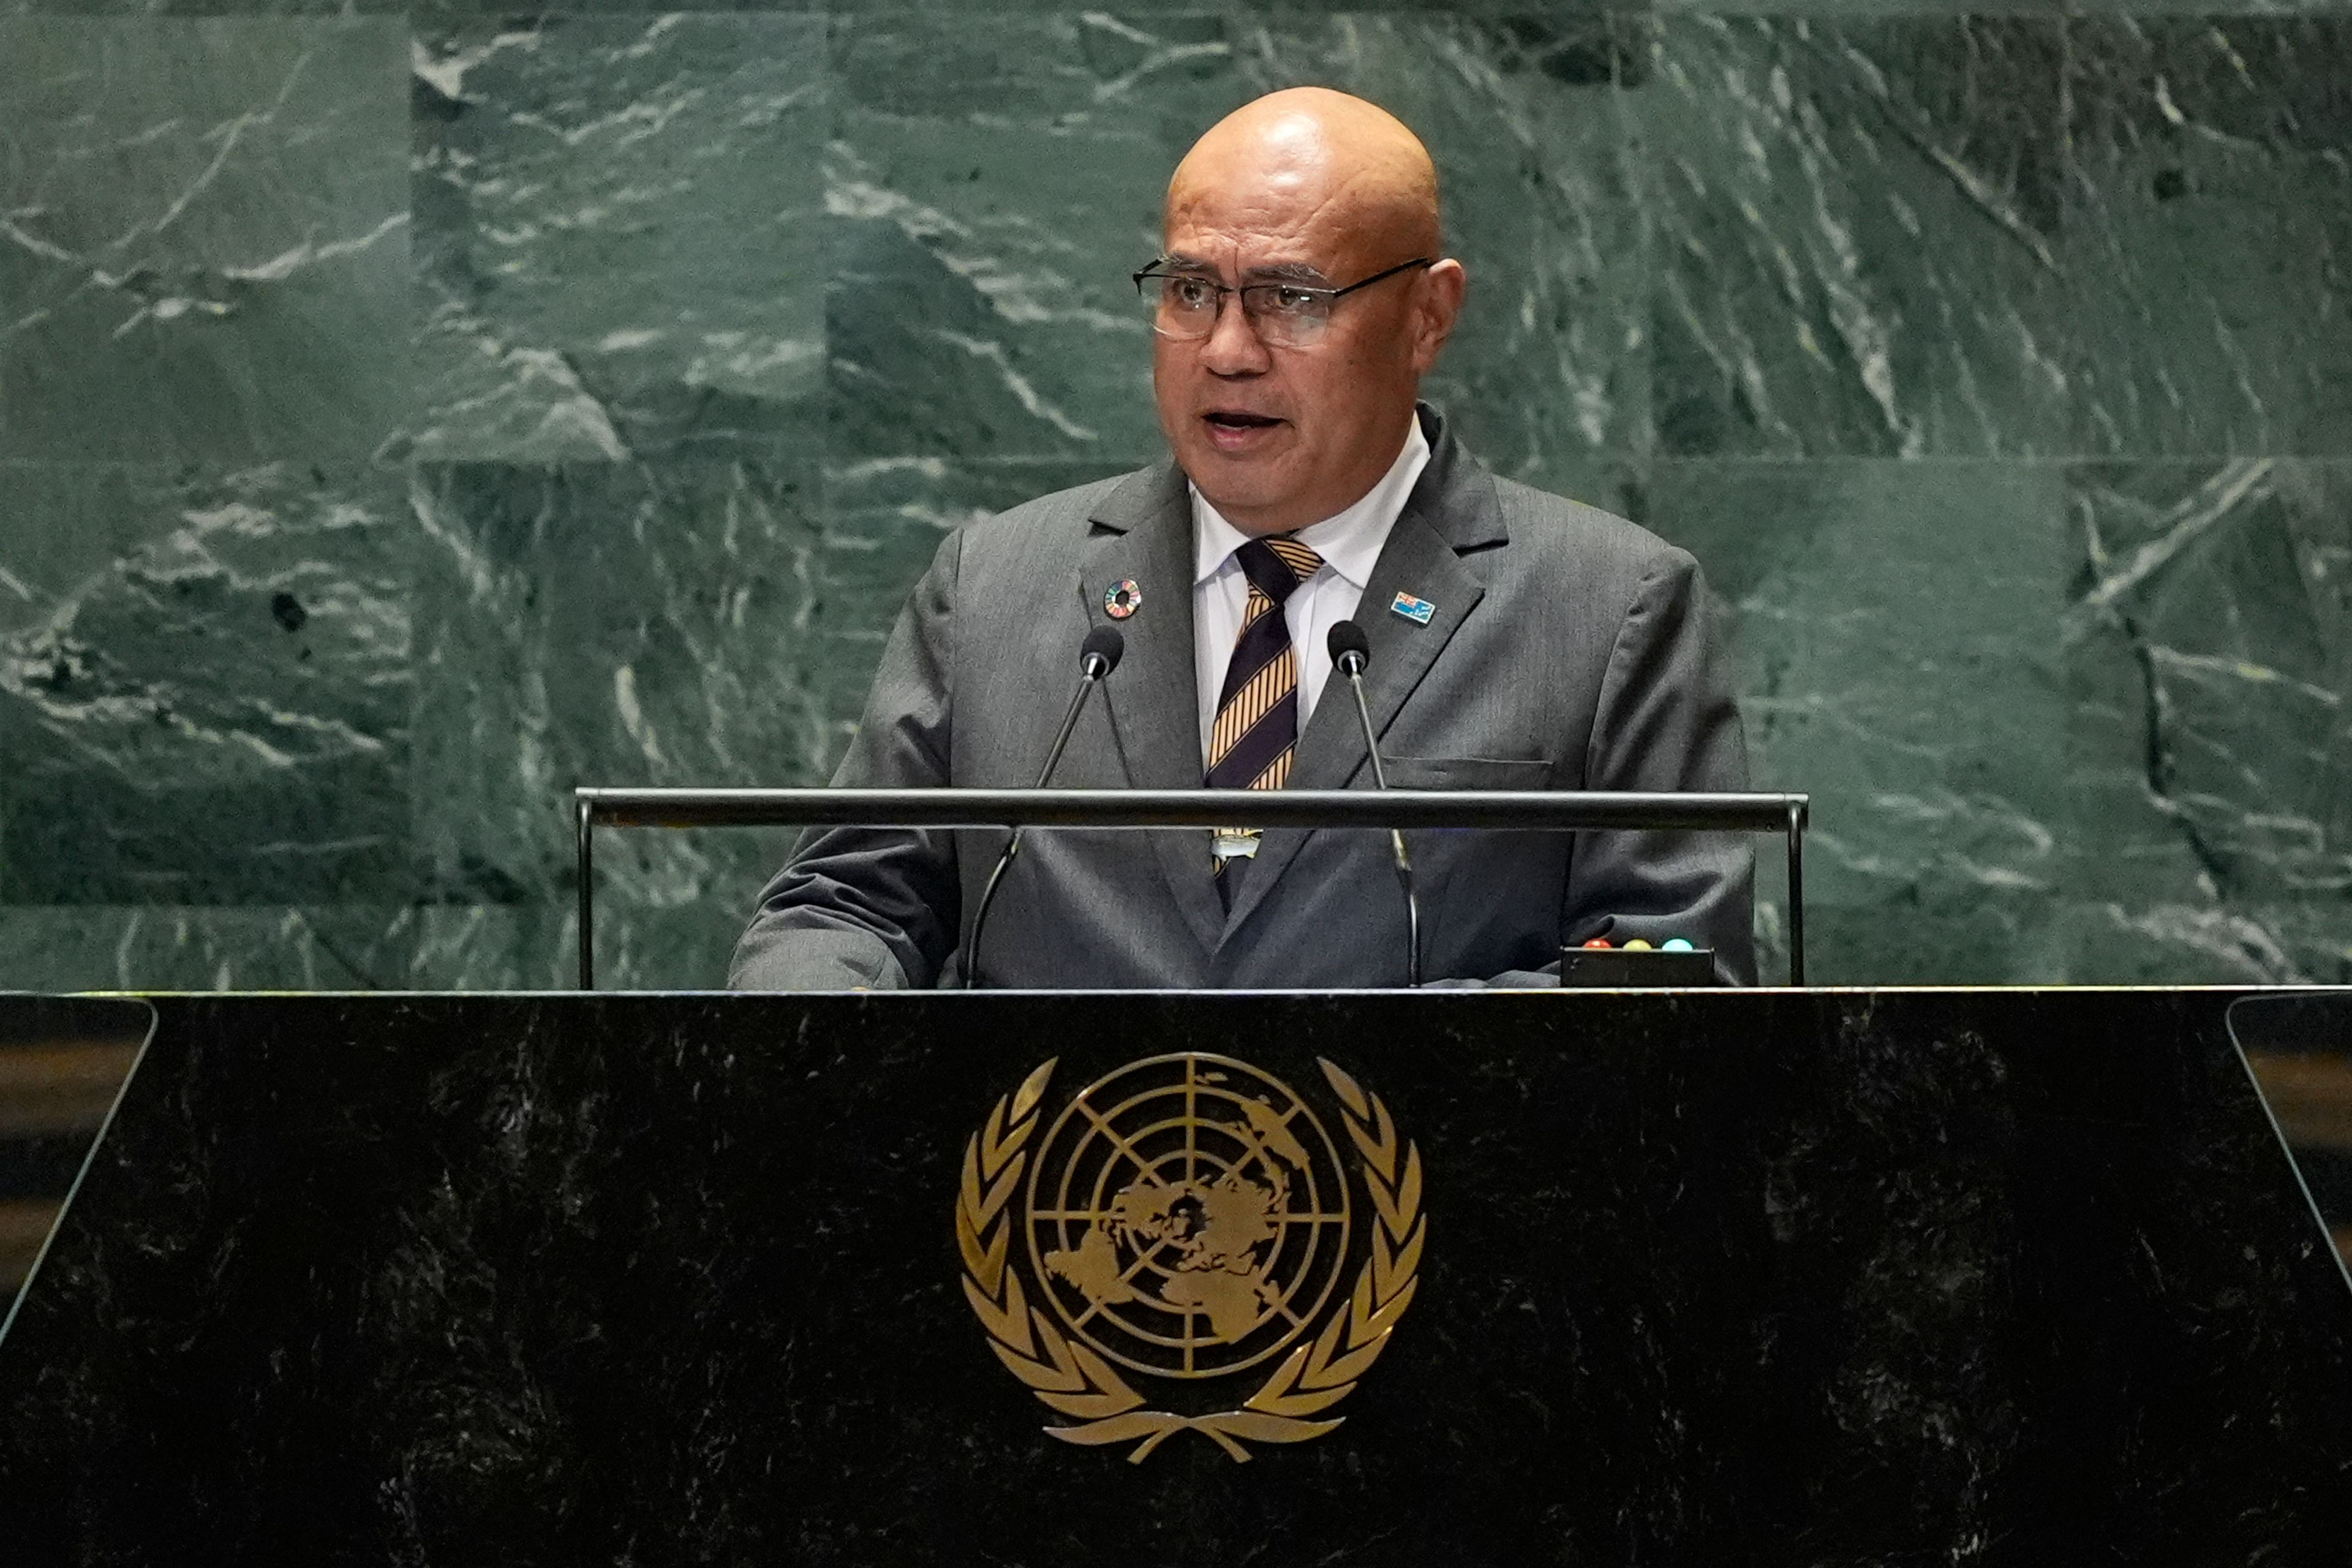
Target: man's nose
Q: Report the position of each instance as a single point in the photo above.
(1232, 347)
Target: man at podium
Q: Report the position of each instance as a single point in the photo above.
(1514, 640)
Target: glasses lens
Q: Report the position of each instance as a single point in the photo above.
(1286, 317)
(1181, 307)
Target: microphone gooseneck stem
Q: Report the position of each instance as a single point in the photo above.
(1095, 668)
(1364, 716)
(1355, 672)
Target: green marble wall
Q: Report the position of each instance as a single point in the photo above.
(407, 415)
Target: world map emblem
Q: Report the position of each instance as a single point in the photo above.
(1188, 1223)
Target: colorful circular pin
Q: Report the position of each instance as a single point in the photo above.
(1123, 600)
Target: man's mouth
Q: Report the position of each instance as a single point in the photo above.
(1237, 431)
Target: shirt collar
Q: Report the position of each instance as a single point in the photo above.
(1349, 542)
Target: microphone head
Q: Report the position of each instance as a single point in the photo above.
(1347, 641)
(1102, 648)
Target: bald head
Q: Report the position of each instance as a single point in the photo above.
(1309, 155)
(1282, 424)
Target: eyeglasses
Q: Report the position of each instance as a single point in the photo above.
(1186, 305)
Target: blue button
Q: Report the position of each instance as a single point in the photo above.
(1676, 944)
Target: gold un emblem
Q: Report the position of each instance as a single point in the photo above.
(1187, 1218)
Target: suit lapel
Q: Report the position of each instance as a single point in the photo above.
(1143, 532)
(1415, 561)
(1452, 508)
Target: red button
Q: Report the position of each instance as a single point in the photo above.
(1598, 942)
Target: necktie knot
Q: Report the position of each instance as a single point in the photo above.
(1276, 566)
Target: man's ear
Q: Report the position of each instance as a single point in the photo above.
(1437, 307)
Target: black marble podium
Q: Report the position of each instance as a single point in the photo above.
(1884, 1278)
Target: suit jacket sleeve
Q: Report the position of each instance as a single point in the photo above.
(873, 907)
(1667, 721)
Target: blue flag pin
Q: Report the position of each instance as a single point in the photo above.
(1417, 611)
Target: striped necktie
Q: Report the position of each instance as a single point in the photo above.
(1255, 737)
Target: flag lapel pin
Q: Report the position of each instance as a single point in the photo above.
(1417, 611)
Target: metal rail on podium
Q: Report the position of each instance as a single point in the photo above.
(1522, 811)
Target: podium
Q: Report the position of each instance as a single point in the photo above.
(1896, 1276)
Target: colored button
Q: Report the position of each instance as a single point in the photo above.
(1676, 944)
(1637, 945)
(1598, 942)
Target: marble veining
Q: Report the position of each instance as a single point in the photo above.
(1856, 232)
(2208, 235)
(212, 702)
(203, 239)
(408, 415)
(619, 251)
(2207, 654)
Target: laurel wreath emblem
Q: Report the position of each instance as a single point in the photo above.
(1073, 1379)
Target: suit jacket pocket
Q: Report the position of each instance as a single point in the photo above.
(1466, 773)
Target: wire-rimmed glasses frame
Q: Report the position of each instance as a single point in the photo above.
(1283, 314)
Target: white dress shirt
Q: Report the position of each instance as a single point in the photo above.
(1349, 543)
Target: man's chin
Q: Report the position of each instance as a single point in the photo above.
(1246, 507)
(1231, 485)
(1254, 471)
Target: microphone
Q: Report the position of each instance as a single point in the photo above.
(1350, 652)
(1097, 657)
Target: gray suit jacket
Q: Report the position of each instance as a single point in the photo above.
(1570, 649)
